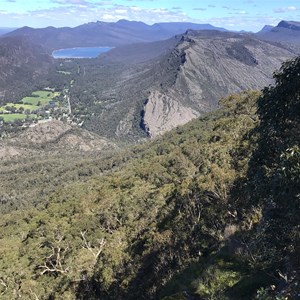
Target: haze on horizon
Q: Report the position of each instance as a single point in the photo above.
(250, 15)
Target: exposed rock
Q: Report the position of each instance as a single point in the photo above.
(162, 113)
(54, 136)
(214, 65)
(189, 74)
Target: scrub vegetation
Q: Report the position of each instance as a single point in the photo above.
(210, 210)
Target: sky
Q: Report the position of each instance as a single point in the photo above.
(249, 15)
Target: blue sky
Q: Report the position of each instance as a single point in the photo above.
(234, 15)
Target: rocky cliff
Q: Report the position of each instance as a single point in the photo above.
(212, 65)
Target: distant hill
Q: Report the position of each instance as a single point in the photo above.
(53, 136)
(22, 66)
(105, 34)
(266, 28)
(289, 25)
(285, 32)
(182, 78)
(181, 27)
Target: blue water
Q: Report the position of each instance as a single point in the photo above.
(80, 52)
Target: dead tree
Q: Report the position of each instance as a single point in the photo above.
(96, 251)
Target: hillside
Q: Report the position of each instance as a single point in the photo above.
(23, 67)
(54, 136)
(136, 90)
(210, 210)
(266, 28)
(27, 156)
(284, 32)
(104, 34)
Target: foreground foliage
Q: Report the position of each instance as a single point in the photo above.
(210, 211)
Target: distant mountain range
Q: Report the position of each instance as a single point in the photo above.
(125, 32)
(284, 32)
(106, 34)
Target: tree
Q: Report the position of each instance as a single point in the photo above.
(274, 172)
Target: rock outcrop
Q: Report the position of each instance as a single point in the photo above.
(212, 65)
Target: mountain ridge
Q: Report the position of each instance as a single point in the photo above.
(105, 33)
(284, 32)
(186, 78)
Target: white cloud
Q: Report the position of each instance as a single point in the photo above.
(107, 17)
(243, 22)
(135, 8)
(120, 11)
(286, 9)
(76, 12)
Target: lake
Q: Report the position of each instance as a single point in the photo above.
(80, 52)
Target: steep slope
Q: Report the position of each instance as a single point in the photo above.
(266, 28)
(193, 71)
(148, 219)
(208, 211)
(104, 34)
(213, 65)
(139, 53)
(23, 66)
(284, 32)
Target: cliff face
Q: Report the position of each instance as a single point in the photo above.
(211, 65)
(162, 112)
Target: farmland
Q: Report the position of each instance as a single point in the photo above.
(14, 117)
(40, 98)
(40, 102)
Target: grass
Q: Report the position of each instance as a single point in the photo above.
(42, 98)
(17, 106)
(14, 117)
(33, 101)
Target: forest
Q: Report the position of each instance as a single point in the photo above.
(209, 210)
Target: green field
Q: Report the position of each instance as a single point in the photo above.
(17, 106)
(42, 97)
(38, 100)
(14, 117)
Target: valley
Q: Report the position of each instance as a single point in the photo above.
(143, 90)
